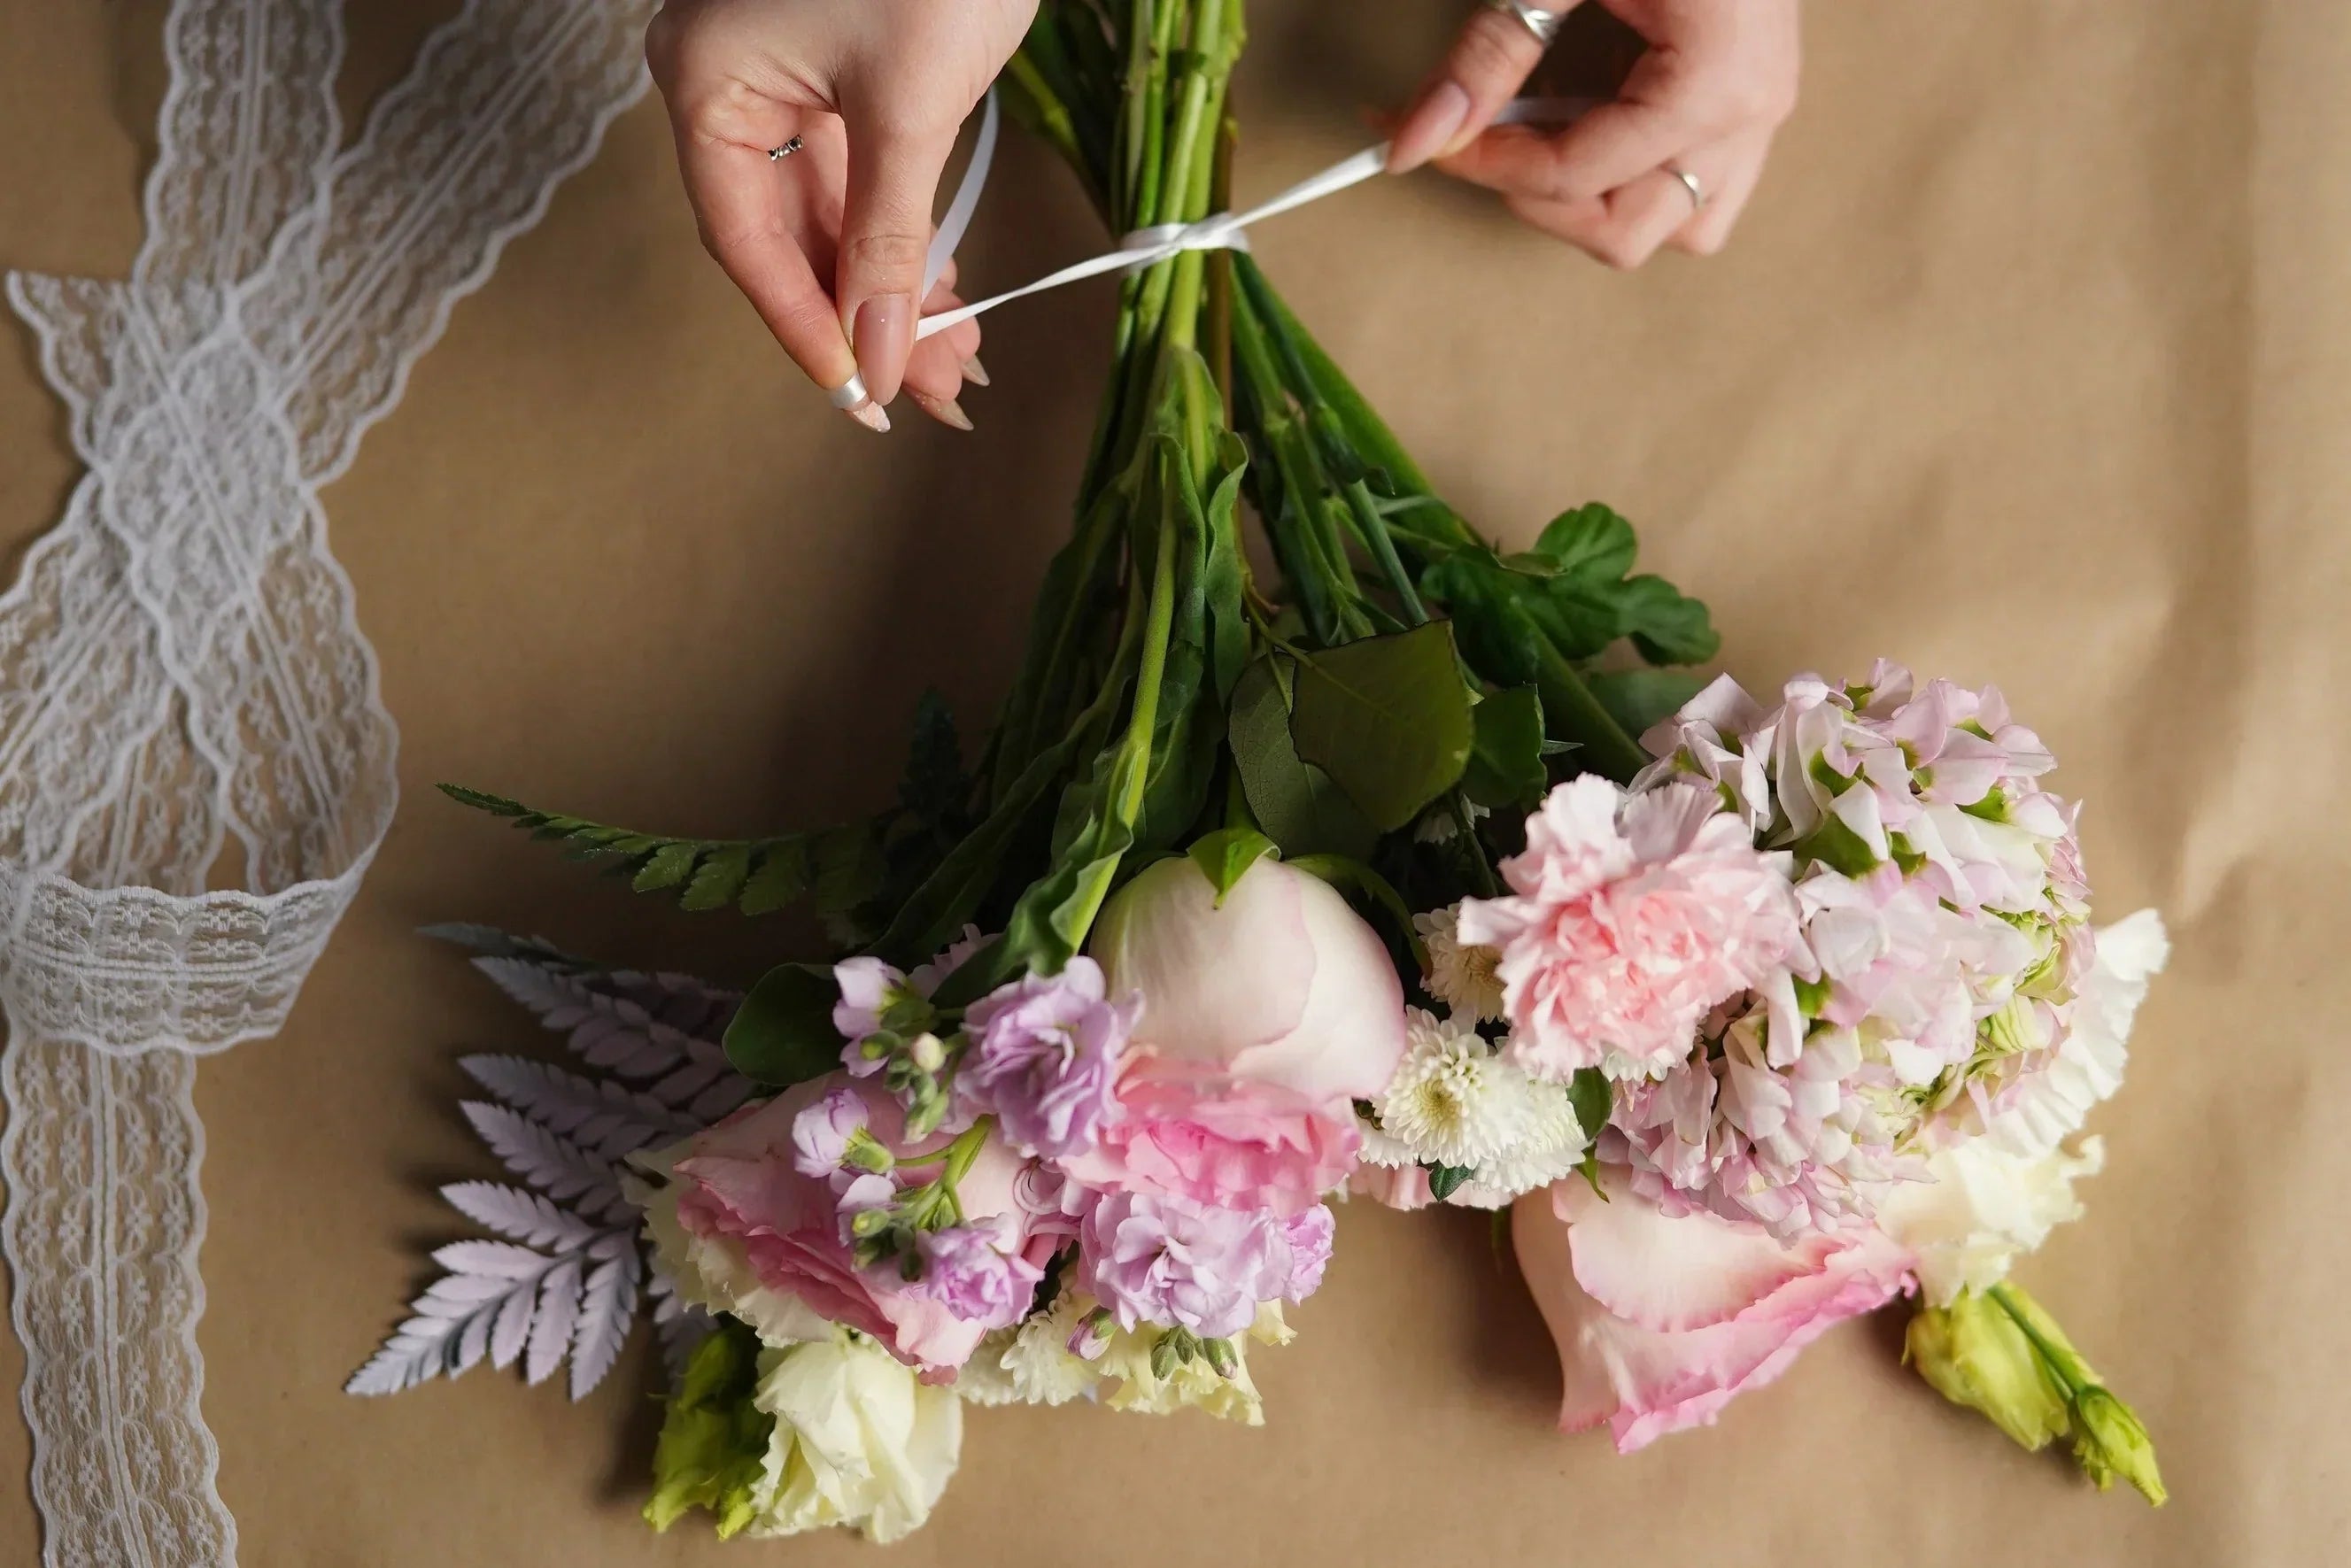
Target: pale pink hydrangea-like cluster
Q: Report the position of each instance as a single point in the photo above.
(1811, 940)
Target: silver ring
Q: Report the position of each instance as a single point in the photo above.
(1690, 182)
(1544, 25)
(777, 154)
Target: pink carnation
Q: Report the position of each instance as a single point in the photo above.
(1629, 920)
(1192, 1131)
(1661, 1321)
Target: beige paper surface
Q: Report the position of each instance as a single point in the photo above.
(2032, 364)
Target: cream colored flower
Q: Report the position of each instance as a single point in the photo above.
(1193, 1384)
(860, 1439)
(1043, 1371)
(1461, 975)
(1982, 1207)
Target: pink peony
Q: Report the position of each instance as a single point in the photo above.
(1628, 921)
(738, 1185)
(1186, 1130)
(1661, 1321)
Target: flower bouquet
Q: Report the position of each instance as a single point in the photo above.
(1262, 893)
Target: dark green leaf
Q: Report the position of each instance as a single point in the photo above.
(1666, 627)
(1506, 758)
(1591, 541)
(1581, 615)
(1485, 599)
(1388, 719)
(1444, 1181)
(1294, 802)
(934, 789)
(1227, 854)
(1588, 1092)
(783, 1034)
(1638, 699)
(779, 879)
(848, 868)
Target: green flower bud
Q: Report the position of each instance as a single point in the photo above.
(867, 1152)
(1166, 1355)
(1973, 1353)
(2109, 1441)
(1221, 1355)
(870, 1222)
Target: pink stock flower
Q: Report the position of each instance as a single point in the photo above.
(1627, 921)
(1169, 1261)
(738, 1187)
(1661, 1321)
(867, 985)
(1044, 1058)
(1186, 1131)
(967, 1270)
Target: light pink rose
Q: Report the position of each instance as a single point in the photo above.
(1282, 984)
(1662, 1321)
(1217, 1138)
(739, 1182)
(1627, 920)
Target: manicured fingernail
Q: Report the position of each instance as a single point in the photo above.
(945, 410)
(872, 415)
(885, 332)
(1433, 126)
(975, 373)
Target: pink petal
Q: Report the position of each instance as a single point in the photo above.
(1674, 1274)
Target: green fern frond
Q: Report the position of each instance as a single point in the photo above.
(836, 869)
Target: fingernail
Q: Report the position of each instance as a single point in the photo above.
(872, 415)
(975, 373)
(945, 410)
(1432, 127)
(885, 332)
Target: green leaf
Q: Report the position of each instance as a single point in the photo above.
(847, 867)
(778, 878)
(1388, 719)
(1591, 541)
(1226, 856)
(1505, 757)
(783, 1034)
(713, 1437)
(1444, 1181)
(935, 790)
(1637, 699)
(666, 867)
(1588, 1091)
(1294, 802)
(1666, 626)
(1485, 599)
(1581, 615)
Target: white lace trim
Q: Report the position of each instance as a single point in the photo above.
(180, 664)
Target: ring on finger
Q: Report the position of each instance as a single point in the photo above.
(1690, 182)
(1544, 25)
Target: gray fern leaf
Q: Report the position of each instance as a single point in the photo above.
(603, 1117)
(566, 1277)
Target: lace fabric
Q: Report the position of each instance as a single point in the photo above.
(180, 661)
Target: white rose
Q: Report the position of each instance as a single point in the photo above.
(1282, 983)
(860, 1439)
(1983, 1207)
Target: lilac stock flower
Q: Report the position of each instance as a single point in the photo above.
(968, 1272)
(868, 986)
(1168, 1260)
(822, 1130)
(1044, 1057)
(1308, 1234)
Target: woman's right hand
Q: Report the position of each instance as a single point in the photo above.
(828, 243)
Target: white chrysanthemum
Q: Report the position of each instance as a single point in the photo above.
(1460, 975)
(1043, 1371)
(1378, 1148)
(1551, 1151)
(1453, 1101)
(985, 1379)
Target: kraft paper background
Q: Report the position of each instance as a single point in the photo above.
(2032, 364)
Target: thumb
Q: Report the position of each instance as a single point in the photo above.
(885, 233)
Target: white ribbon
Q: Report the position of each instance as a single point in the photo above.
(1147, 248)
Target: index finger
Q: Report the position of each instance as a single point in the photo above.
(738, 205)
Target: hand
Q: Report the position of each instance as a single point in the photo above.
(1719, 77)
(828, 243)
